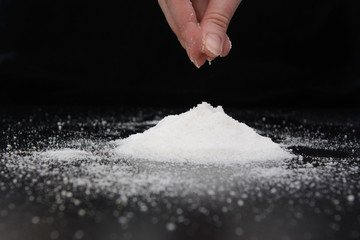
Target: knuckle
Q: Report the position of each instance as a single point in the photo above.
(218, 19)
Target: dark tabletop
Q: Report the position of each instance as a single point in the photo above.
(47, 194)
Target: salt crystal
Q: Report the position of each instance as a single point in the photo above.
(82, 212)
(240, 203)
(203, 134)
(239, 231)
(66, 154)
(170, 226)
(54, 234)
(350, 198)
(35, 220)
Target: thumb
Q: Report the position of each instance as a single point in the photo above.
(214, 25)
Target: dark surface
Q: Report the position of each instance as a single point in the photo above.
(289, 199)
(284, 54)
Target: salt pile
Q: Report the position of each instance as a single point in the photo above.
(203, 134)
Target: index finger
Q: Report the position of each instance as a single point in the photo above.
(184, 16)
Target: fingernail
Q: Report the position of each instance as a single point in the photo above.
(191, 59)
(213, 43)
(196, 64)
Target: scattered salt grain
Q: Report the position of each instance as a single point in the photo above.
(82, 212)
(350, 198)
(65, 154)
(203, 134)
(35, 220)
(239, 231)
(70, 172)
(170, 226)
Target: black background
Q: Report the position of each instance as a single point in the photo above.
(285, 53)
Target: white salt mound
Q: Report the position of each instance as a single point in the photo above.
(203, 134)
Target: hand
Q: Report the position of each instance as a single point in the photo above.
(200, 26)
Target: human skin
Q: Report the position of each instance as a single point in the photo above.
(201, 26)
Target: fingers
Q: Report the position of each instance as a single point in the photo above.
(200, 8)
(226, 47)
(182, 19)
(214, 25)
(209, 41)
(171, 22)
